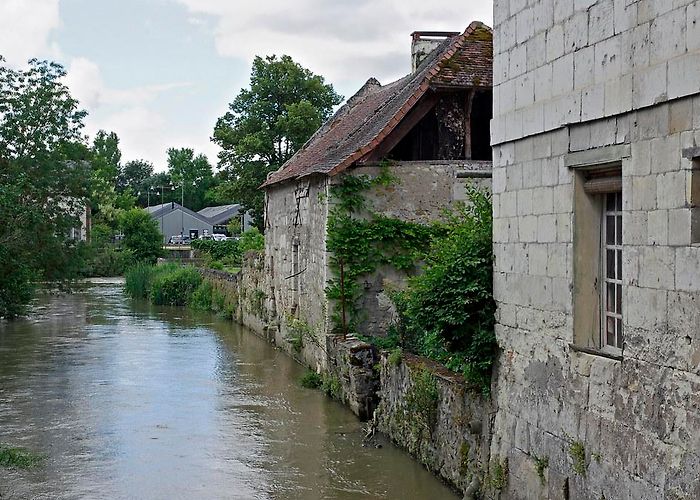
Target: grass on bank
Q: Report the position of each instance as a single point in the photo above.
(172, 284)
(18, 457)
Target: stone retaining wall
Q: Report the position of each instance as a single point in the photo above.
(434, 415)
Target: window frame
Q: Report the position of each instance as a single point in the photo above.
(616, 311)
(596, 173)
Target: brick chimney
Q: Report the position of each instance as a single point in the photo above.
(424, 42)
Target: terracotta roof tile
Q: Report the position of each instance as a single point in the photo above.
(360, 125)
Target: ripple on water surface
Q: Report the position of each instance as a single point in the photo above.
(132, 401)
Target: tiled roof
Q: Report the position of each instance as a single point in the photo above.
(360, 125)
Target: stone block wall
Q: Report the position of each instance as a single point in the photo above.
(296, 217)
(421, 193)
(433, 414)
(295, 253)
(354, 364)
(618, 428)
(256, 306)
(581, 78)
(568, 61)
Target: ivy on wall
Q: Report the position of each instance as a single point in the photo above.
(360, 240)
(447, 311)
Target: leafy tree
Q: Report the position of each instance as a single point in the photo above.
(192, 172)
(135, 176)
(266, 124)
(141, 235)
(43, 179)
(107, 156)
(106, 199)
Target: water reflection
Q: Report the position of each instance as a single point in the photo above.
(131, 401)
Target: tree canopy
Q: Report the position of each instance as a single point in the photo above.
(43, 179)
(191, 173)
(266, 124)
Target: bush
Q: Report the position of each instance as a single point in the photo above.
(18, 457)
(252, 239)
(16, 285)
(141, 235)
(330, 384)
(311, 380)
(220, 255)
(202, 298)
(109, 261)
(175, 288)
(447, 313)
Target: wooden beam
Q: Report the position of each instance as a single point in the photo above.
(468, 125)
(414, 116)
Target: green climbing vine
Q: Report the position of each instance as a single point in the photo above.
(360, 241)
(446, 312)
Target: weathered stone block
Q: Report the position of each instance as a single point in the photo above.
(683, 72)
(563, 75)
(555, 42)
(576, 32)
(650, 85)
(618, 97)
(671, 190)
(600, 22)
(645, 307)
(688, 269)
(547, 228)
(643, 193)
(657, 229)
(679, 227)
(657, 268)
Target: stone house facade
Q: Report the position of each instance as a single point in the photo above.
(596, 186)
(433, 126)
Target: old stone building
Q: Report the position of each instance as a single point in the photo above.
(432, 125)
(596, 187)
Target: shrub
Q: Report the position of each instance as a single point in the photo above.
(252, 239)
(109, 261)
(141, 235)
(330, 384)
(311, 380)
(202, 298)
(175, 288)
(216, 265)
(422, 400)
(16, 285)
(218, 250)
(395, 356)
(18, 457)
(447, 313)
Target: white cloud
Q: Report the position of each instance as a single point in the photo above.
(25, 29)
(341, 40)
(143, 131)
(85, 80)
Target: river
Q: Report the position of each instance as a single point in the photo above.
(131, 401)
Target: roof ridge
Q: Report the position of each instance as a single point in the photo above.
(455, 43)
(373, 112)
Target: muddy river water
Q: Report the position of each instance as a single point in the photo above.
(130, 401)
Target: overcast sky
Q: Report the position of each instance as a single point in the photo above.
(159, 72)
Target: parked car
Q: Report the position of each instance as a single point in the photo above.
(179, 240)
(219, 237)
